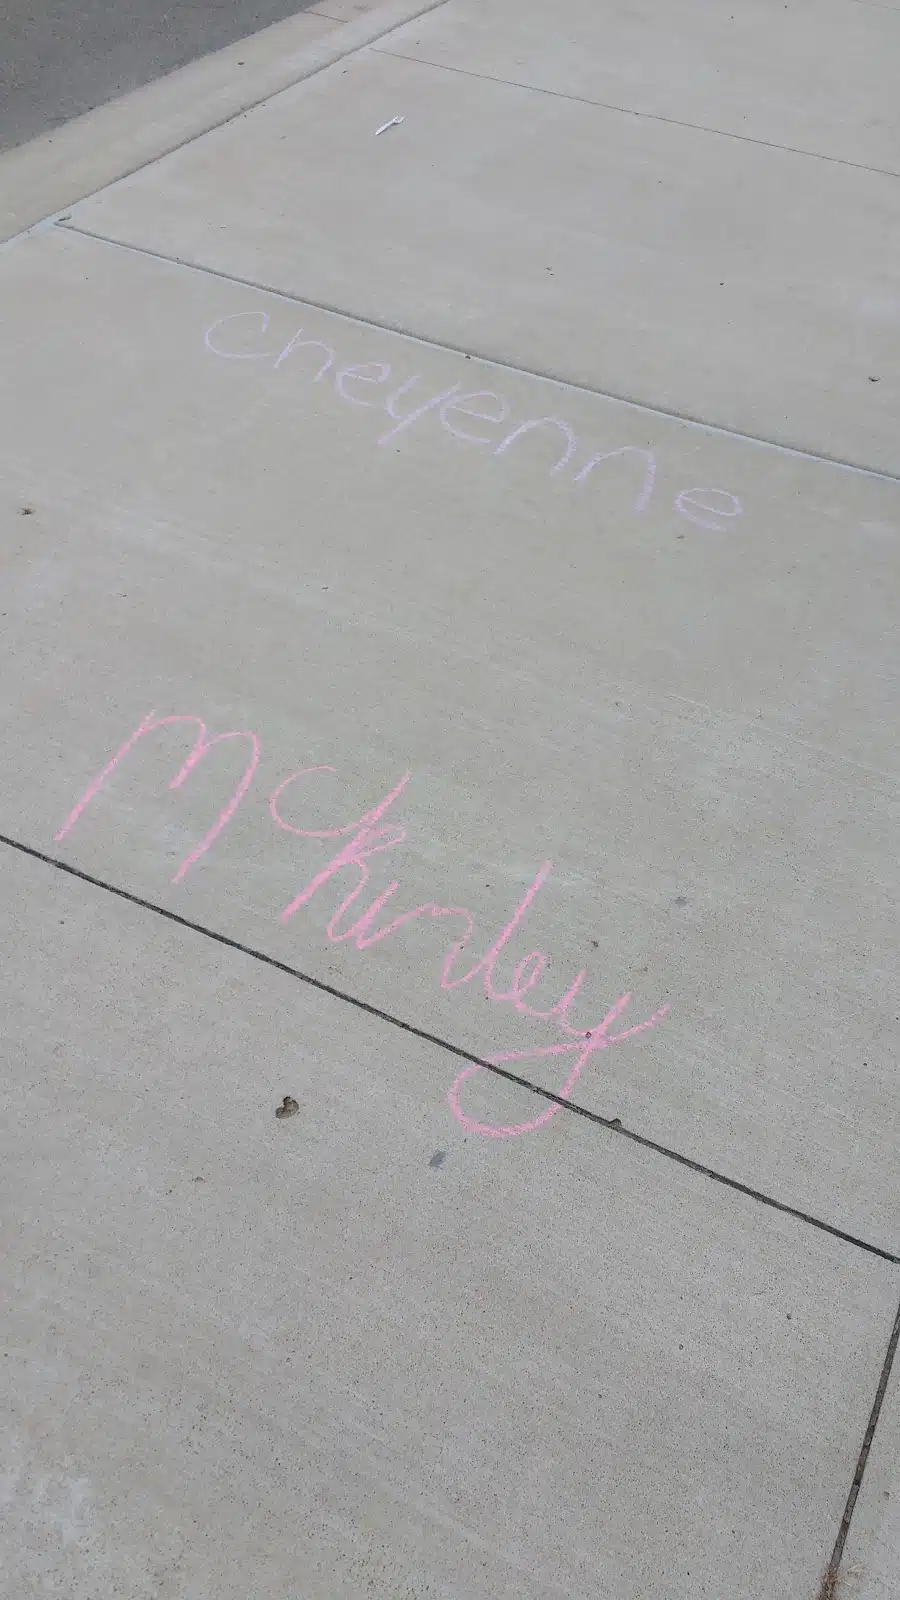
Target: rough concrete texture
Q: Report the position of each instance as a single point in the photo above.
(549, 716)
(872, 1560)
(814, 75)
(304, 1358)
(662, 263)
(719, 811)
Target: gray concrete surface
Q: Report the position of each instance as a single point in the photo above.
(59, 60)
(871, 1562)
(437, 1334)
(299, 1360)
(593, 661)
(666, 264)
(812, 76)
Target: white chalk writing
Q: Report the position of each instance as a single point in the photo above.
(367, 385)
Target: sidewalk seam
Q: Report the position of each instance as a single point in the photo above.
(611, 1124)
(502, 365)
(629, 111)
(830, 1577)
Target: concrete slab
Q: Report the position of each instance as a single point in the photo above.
(814, 75)
(353, 1352)
(706, 276)
(872, 1558)
(683, 697)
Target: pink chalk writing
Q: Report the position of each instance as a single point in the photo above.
(598, 1038)
(201, 748)
(367, 838)
(708, 508)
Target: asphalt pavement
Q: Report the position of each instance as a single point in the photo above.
(59, 60)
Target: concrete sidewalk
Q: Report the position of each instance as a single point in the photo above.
(451, 664)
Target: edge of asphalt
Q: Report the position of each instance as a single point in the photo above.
(43, 177)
